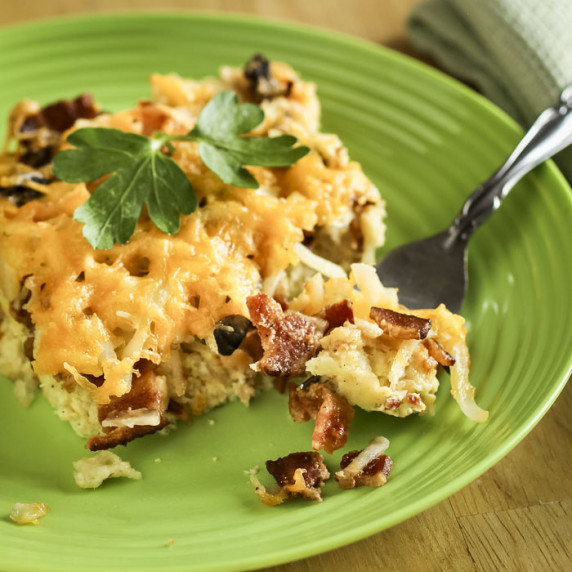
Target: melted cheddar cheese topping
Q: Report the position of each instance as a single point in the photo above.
(96, 313)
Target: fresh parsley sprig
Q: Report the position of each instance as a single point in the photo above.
(223, 150)
(141, 174)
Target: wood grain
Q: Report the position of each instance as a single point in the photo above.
(517, 516)
(376, 20)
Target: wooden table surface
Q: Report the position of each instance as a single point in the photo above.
(518, 515)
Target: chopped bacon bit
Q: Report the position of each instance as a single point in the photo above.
(332, 412)
(438, 352)
(392, 403)
(288, 340)
(252, 346)
(297, 474)
(282, 301)
(401, 326)
(146, 394)
(338, 314)
(62, 114)
(413, 399)
(368, 467)
(283, 469)
(374, 474)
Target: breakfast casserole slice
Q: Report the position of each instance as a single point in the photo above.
(125, 340)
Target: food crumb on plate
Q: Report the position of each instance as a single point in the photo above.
(28, 513)
(90, 472)
(298, 474)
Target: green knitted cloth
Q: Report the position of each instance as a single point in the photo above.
(517, 52)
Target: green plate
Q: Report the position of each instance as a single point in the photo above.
(426, 141)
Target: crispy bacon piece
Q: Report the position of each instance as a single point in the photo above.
(252, 346)
(297, 474)
(282, 300)
(413, 399)
(438, 352)
(338, 314)
(402, 326)
(332, 412)
(374, 474)
(392, 403)
(369, 467)
(61, 115)
(146, 397)
(288, 340)
(283, 469)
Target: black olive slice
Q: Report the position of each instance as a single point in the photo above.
(229, 333)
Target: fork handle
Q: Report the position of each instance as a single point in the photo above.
(549, 134)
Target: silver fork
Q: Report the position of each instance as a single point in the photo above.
(434, 270)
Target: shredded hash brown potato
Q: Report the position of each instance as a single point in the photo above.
(275, 282)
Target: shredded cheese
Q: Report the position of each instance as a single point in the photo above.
(97, 313)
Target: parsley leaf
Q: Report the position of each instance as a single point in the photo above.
(141, 174)
(224, 152)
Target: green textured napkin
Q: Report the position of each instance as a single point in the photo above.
(517, 52)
